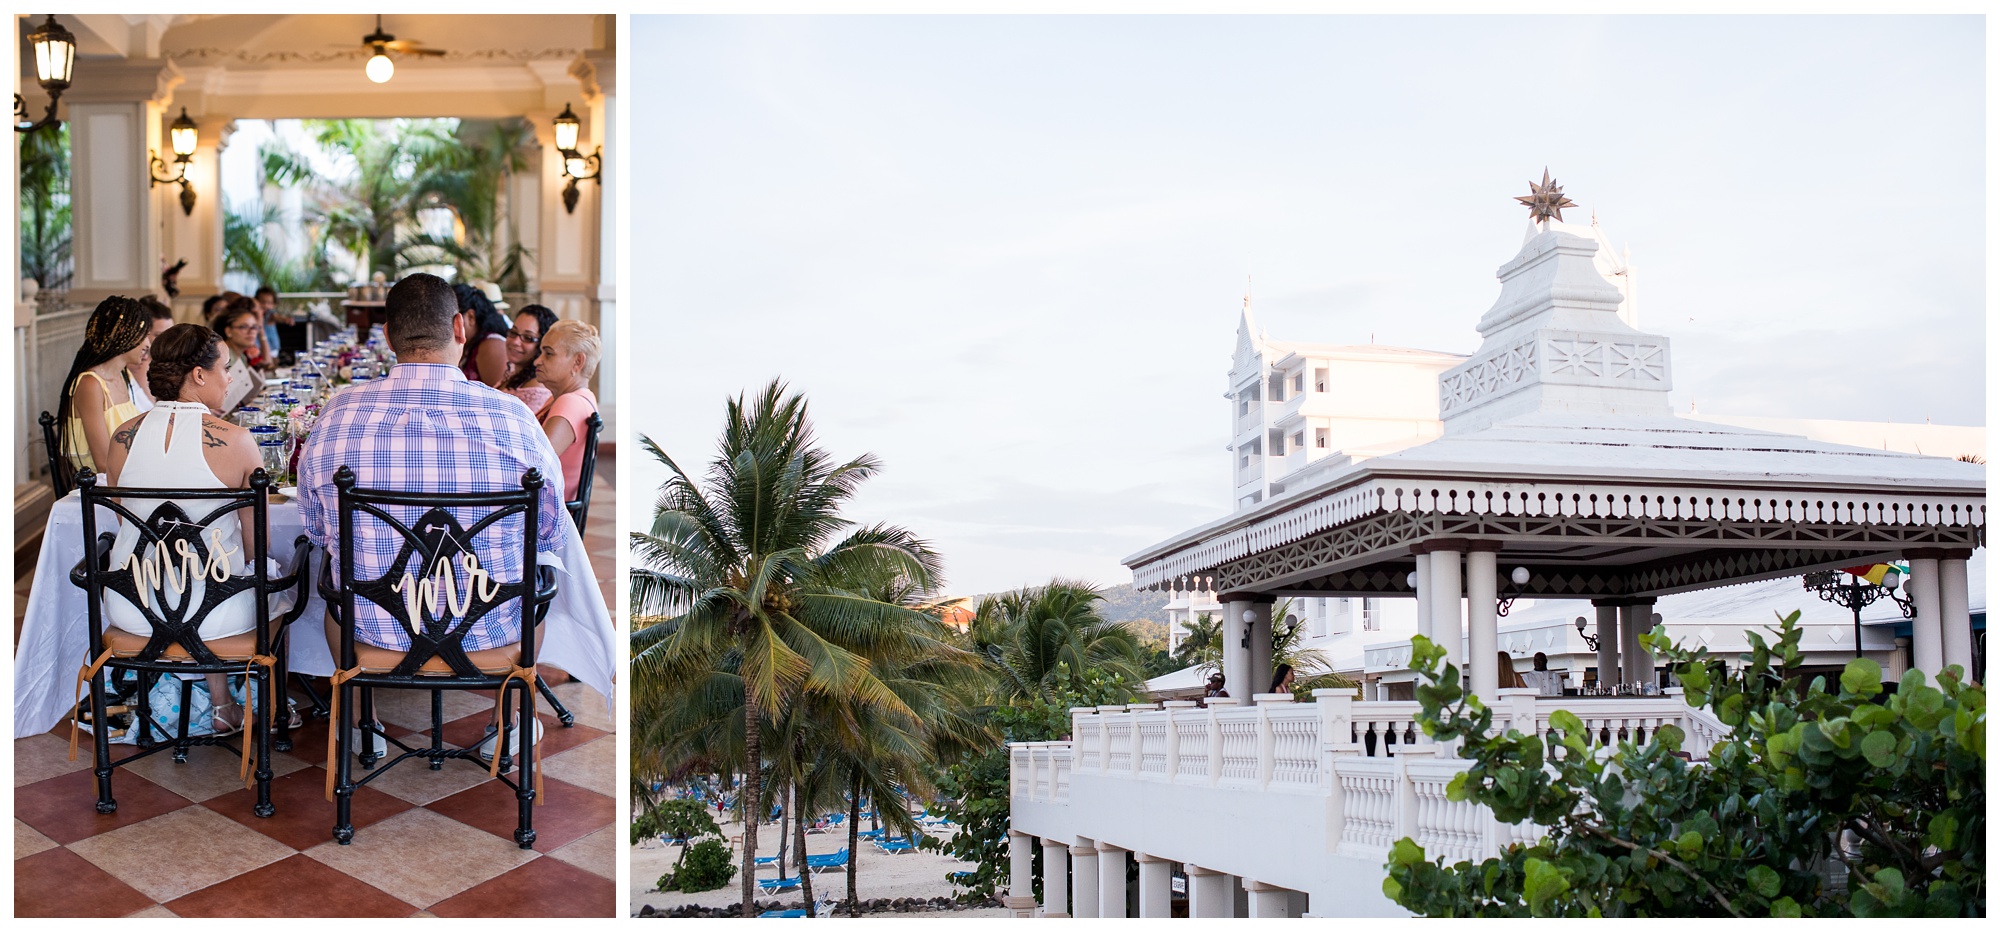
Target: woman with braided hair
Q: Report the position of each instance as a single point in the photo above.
(98, 393)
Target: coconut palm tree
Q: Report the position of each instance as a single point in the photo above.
(384, 172)
(1203, 642)
(1039, 638)
(749, 568)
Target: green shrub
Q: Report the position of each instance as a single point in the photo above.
(706, 866)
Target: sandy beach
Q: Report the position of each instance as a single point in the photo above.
(880, 876)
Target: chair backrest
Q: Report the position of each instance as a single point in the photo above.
(172, 545)
(430, 587)
(579, 507)
(60, 476)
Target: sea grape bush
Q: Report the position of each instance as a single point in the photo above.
(1827, 798)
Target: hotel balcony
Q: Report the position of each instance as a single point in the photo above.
(1275, 809)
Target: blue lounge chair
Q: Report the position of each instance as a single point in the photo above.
(872, 834)
(777, 884)
(962, 878)
(826, 862)
(896, 846)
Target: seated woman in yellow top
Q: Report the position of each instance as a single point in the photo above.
(98, 394)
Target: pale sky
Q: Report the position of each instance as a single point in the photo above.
(1007, 255)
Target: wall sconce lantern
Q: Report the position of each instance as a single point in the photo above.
(55, 64)
(576, 166)
(182, 135)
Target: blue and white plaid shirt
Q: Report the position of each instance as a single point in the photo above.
(426, 428)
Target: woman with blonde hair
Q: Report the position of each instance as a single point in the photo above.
(570, 353)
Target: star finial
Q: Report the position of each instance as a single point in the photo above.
(1545, 201)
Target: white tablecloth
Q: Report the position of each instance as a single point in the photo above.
(55, 637)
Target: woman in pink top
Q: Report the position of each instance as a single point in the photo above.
(524, 346)
(570, 353)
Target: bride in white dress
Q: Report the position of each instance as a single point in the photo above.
(180, 445)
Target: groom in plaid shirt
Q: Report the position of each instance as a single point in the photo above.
(426, 428)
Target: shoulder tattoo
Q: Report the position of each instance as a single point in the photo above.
(124, 437)
(213, 432)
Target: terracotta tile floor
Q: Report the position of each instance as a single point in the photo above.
(184, 841)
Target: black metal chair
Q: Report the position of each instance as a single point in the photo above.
(434, 545)
(172, 541)
(579, 512)
(61, 477)
(579, 507)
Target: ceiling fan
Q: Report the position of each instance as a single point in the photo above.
(380, 68)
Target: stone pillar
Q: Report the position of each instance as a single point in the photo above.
(1055, 879)
(1634, 619)
(114, 116)
(1448, 597)
(1156, 886)
(1927, 629)
(1608, 672)
(1954, 601)
(1084, 858)
(1110, 881)
(1021, 880)
(1267, 901)
(1482, 581)
(1210, 894)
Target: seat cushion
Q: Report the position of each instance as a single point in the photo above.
(238, 647)
(493, 660)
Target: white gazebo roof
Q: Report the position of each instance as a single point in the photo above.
(1559, 450)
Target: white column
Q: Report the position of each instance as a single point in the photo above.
(197, 237)
(1955, 610)
(1482, 581)
(1267, 901)
(1235, 659)
(1084, 858)
(1448, 608)
(1608, 673)
(114, 119)
(1210, 894)
(1424, 600)
(1927, 629)
(1110, 881)
(1156, 886)
(1634, 620)
(1259, 665)
(1021, 882)
(1055, 879)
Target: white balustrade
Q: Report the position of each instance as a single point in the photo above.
(1458, 831)
(1240, 760)
(1295, 748)
(1369, 793)
(1191, 732)
(1378, 789)
(1118, 742)
(1150, 731)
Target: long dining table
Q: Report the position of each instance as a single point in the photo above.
(54, 644)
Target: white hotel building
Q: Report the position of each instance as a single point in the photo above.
(1491, 503)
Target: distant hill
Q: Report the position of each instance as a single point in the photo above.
(1145, 610)
(1125, 603)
